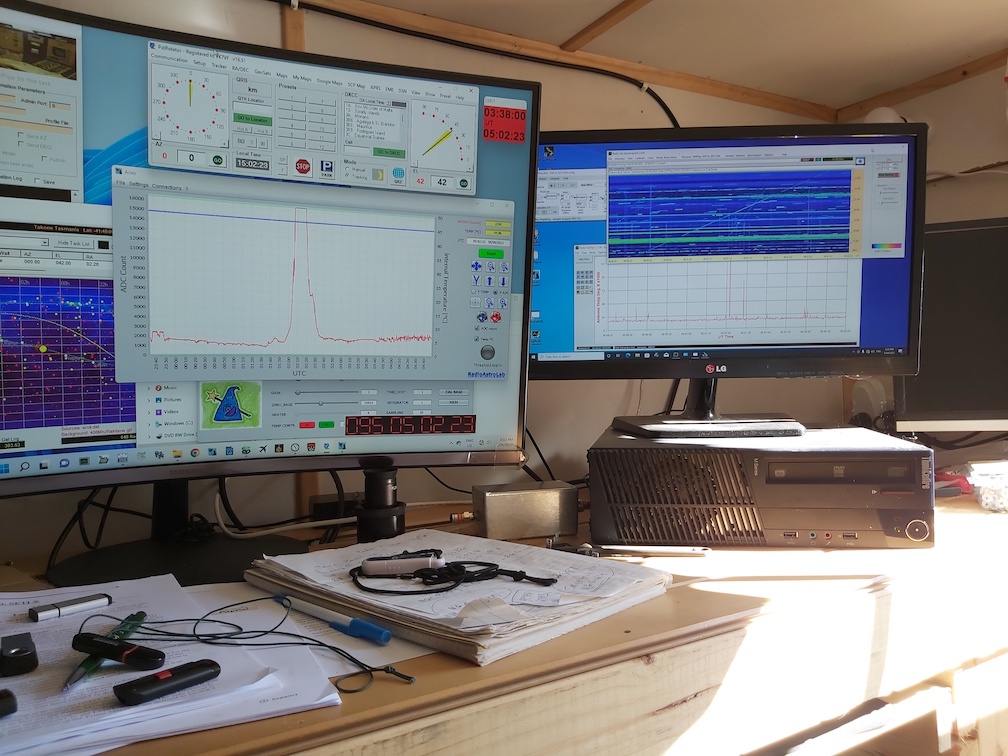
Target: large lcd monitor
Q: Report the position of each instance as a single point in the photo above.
(219, 259)
(723, 252)
(962, 381)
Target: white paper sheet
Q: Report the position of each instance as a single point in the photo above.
(89, 719)
(267, 613)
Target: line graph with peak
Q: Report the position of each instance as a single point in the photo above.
(751, 258)
(248, 278)
(702, 302)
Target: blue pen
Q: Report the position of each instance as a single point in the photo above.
(352, 626)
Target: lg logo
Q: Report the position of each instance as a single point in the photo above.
(711, 369)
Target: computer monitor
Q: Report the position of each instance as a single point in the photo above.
(218, 259)
(706, 253)
(963, 361)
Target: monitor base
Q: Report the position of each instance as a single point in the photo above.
(215, 559)
(722, 426)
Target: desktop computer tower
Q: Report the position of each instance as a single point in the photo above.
(830, 488)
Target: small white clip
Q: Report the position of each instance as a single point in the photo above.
(294, 4)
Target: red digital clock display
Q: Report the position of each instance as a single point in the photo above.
(504, 124)
(408, 425)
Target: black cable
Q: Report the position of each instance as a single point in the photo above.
(484, 49)
(339, 487)
(66, 531)
(532, 474)
(541, 455)
(446, 578)
(449, 487)
(235, 635)
(886, 423)
(331, 533)
(107, 509)
(77, 519)
(961, 442)
(671, 396)
(82, 506)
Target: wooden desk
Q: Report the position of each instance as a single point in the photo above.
(748, 648)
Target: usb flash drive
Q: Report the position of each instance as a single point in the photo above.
(166, 681)
(69, 606)
(399, 566)
(130, 654)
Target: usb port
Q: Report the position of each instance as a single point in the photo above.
(790, 534)
(849, 536)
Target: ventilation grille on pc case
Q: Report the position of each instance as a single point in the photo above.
(687, 526)
(694, 497)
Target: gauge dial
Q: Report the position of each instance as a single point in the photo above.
(443, 136)
(189, 106)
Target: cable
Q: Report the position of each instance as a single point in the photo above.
(642, 85)
(331, 533)
(339, 487)
(960, 443)
(977, 171)
(541, 455)
(82, 506)
(671, 396)
(963, 174)
(225, 502)
(233, 634)
(255, 533)
(222, 492)
(449, 487)
(78, 519)
(532, 474)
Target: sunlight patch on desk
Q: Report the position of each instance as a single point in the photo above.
(806, 632)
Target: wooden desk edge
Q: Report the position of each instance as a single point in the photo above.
(445, 682)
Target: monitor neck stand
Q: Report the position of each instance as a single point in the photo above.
(172, 547)
(699, 419)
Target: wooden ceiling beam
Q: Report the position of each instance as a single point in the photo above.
(292, 31)
(549, 53)
(603, 23)
(924, 86)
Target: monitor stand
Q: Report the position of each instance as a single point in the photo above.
(699, 420)
(173, 547)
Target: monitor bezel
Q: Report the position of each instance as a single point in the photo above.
(760, 365)
(114, 476)
(912, 413)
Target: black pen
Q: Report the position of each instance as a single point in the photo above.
(123, 630)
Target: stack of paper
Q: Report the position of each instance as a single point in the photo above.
(88, 718)
(480, 621)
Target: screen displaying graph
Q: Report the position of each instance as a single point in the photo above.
(733, 213)
(726, 256)
(220, 257)
(253, 278)
(690, 302)
(221, 276)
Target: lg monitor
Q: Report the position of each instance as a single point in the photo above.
(219, 259)
(723, 252)
(963, 361)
